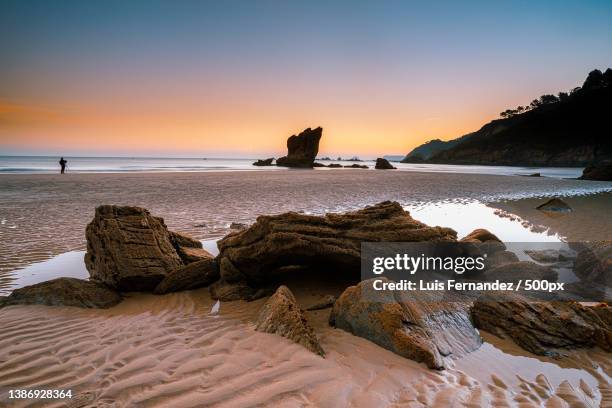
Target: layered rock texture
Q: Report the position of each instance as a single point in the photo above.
(593, 263)
(129, 249)
(281, 315)
(64, 292)
(302, 149)
(544, 328)
(191, 276)
(415, 325)
(279, 246)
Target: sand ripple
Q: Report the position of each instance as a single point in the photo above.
(168, 351)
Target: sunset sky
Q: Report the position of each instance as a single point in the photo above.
(236, 78)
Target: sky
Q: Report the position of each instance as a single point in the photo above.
(236, 78)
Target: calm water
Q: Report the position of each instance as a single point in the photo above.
(48, 164)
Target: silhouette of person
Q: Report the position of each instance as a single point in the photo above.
(62, 163)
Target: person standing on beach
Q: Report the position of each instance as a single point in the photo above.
(62, 163)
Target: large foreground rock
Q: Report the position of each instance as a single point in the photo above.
(600, 173)
(281, 315)
(415, 325)
(544, 328)
(279, 246)
(192, 276)
(129, 249)
(64, 292)
(302, 149)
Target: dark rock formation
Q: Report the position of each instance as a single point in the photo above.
(264, 162)
(192, 276)
(600, 173)
(279, 246)
(383, 164)
(128, 249)
(302, 149)
(414, 325)
(544, 328)
(65, 292)
(356, 166)
(281, 315)
(315, 164)
(334, 165)
(326, 302)
(569, 131)
(555, 205)
(534, 175)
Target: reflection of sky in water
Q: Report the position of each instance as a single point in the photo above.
(462, 216)
(466, 216)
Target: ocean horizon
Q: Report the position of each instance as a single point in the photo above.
(109, 164)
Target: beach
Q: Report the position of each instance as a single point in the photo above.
(170, 350)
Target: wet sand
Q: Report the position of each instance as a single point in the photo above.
(152, 351)
(45, 215)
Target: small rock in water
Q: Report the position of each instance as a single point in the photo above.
(555, 205)
(265, 162)
(238, 226)
(549, 255)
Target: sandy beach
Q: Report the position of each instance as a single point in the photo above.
(152, 351)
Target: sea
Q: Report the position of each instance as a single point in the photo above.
(49, 165)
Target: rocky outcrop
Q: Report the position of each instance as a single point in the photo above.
(277, 246)
(415, 325)
(544, 328)
(64, 292)
(180, 239)
(192, 276)
(302, 149)
(264, 162)
(281, 315)
(128, 249)
(555, 205)
(356, 166)
(383, 164)
(335, 166)
(593, 263)
(600, 173)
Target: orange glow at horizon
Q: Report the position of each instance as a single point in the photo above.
(251, 131)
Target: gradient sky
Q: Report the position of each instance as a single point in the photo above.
(236, 78)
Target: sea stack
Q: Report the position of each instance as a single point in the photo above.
(302, 149)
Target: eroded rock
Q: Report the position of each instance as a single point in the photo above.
(544, 328)
(415, 325)
(480, 235)
(189, 255)
(593, 263)
(281, 315)
(192, 276)
(65, 292)
(302, 149)
(128, 249)
(278, 246)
